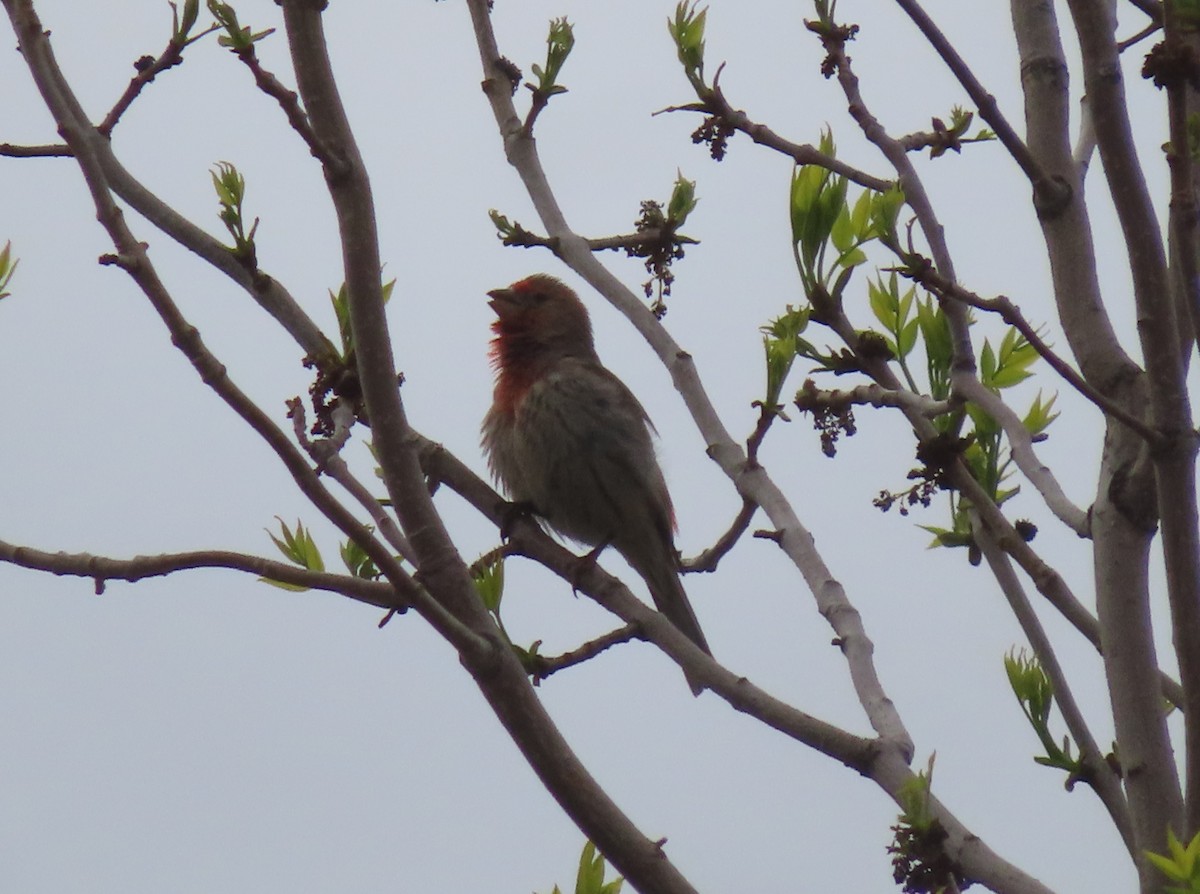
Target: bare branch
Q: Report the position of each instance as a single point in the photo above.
(544, 666)
(381, 594)
(326, 452)
(495, 668)
(289, 101)
(11, 150)
(711, 557)
(1158, 331)
(148, 69)
(872, 395)
(1012, 315)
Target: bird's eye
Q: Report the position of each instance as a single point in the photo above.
(539, 297)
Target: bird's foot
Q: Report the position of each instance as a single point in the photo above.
(584, 564)
(511, 513)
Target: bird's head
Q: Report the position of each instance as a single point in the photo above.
(539, 317)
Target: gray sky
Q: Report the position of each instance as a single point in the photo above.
(210, 733)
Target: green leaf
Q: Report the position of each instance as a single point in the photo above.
(8, 267)
(1039, 417)
(559, 43)
(885, 209)
(781, 345)
(236, 38)
(1013, 360)
(935, 330)
(883, 304)
(842, 233)
(860, 217)
(357, 562)
(299, 548)
(852, 258)
(908, 339)
(687, 30)
(488, 575)
(683, 200)
(987, 364)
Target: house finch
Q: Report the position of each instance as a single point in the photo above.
(567, 437)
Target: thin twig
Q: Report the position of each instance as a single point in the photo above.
(147, 70)
(1098, 773)
(1152, 8)
(714, 103)
(522, 238)
(56, 150)
(1050, 193)
(289, 101)
(875, 395)
(928, 276)
(709, 558)
(103, 568)
(132, 257)
(326, 452)
(1137, 38)
(544, 666)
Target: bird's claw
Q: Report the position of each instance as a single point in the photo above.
(511, 513)
(584, 564)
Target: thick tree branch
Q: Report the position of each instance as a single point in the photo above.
(1175, 460)
(1124, 513)
(496, 670)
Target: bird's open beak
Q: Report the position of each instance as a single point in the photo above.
(501, 301)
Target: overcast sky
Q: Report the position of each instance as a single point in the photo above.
(210, 733)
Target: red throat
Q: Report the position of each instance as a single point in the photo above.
(515, 363)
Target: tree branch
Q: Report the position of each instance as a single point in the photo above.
(11, 150)
(713, 102)
(544, 666)
(711, 557)
(1175, 459)
(1097, 772)
(381, 594)
(750, 479)
(495, 669)
(1050, 193)
(85, 142)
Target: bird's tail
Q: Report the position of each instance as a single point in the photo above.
(669, 597)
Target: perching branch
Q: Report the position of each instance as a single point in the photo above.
(493, 666)
(751, 480)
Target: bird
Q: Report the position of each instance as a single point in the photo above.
(567, 438)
